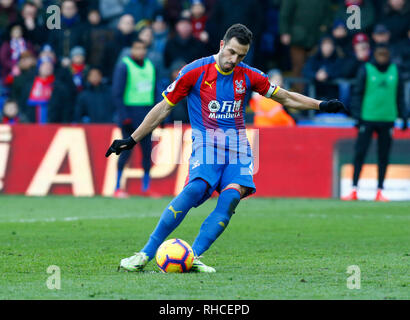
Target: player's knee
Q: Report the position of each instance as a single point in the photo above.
(196, 189)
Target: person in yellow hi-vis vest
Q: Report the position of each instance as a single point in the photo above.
(269, 113)
(133, 89)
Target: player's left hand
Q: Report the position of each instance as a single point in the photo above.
(120, 145)
(332, 106)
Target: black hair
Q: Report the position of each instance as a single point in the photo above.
(95, 67)
(136, 39)
(240, 32)
(93, 9)
(30, 3)
(10, 100)
(7, 35)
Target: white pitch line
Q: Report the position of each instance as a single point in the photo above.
(158, 214)
(69, 219)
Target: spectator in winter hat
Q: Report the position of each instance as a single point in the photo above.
(198, 20)
(380, 34)
(78, 67)
(361, 54)
(341, 37)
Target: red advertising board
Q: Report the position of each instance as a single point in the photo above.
(53, 159)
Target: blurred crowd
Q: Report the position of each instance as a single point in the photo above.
(66, 75)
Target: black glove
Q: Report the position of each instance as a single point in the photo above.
(332, 106)
(404, 125)
(120, 145)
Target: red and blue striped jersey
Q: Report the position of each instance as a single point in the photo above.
(216, 98)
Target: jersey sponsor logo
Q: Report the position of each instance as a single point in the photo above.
(228, 110)
(239, 88)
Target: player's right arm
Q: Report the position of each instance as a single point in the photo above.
(157, 114)
(299, 101)
(295, 100)
(172, 95)
(260, 83)
(152, 120)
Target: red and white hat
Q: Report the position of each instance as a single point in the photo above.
(353, 2)
(360, 37)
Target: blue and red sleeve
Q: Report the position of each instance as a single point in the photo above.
(260, 82)
(182, 85)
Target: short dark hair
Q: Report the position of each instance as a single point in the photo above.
(10, 100)
(136, 39)
(95, 68)
(30, 3)
(240, 32)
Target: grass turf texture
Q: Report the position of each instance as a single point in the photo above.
(272, 249)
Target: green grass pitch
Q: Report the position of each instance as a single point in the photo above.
(272, 249)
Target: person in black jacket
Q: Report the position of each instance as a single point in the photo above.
(396, 16)
(98, 35)
(94, 103)
(401, 55)
(35, 32)
(225, 13)
(72, 32)
(183, 46)
(27, 65)
(377, 101)
(323, 67)
(343, 41)
(123, 37)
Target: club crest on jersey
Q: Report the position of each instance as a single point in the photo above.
(239, 88)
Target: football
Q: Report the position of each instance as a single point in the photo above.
(175, 255)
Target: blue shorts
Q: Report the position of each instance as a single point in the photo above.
(225, 168)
